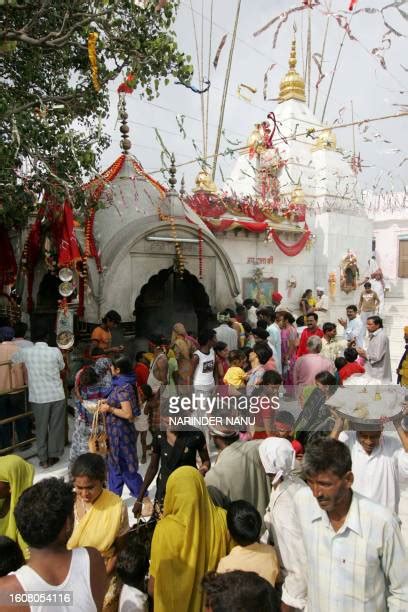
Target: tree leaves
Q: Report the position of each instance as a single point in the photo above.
(46, 92)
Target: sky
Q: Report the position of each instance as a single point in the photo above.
(359, 81)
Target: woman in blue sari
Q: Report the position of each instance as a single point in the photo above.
(92, 383)
(121, 407)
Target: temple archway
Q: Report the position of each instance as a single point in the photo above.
(167, 299)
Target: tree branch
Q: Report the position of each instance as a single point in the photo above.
(39, 101)
(52, 39)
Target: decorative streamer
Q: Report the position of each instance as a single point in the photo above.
(317, 58)
(196, 89)
(272, 117)
(200, 253)
(345, 25)
(340, 117)
(234, 143)
(265, 86)
(283, 17)
(220, 48)
(92, 38)
(180, 123)
(249, 88)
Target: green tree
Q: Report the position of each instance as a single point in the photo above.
(51, 115)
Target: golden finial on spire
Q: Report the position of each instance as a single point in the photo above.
(292, 86)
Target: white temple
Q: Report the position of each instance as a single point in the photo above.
(289, 218)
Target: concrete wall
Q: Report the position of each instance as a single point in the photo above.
(388, 233)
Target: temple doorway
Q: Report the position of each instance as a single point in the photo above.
(46, 306)
(167, 299)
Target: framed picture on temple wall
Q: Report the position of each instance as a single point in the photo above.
(260, 290)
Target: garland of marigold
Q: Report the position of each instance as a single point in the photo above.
(92, 38)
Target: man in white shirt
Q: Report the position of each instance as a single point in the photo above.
(354, 329)
(356, 558)
(46, 395)
(278, 459)
(322, 305)
(377, 353)
(275, 338)
(225, 333)
(332, 346)
(251, 307)
(380, 461)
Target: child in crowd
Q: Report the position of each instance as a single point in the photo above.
(339, 363)
(243, 591)
(141, 369)
(221, 362)
(235, 377)
(11, 557)
(244, 524)
(351, 365)
(142, 421)
(283, 427)
(132, 568)
(249, 339)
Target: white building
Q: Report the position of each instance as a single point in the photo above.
(286, 219)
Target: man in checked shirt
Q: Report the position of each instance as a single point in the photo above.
(46, 395)
(356, 558)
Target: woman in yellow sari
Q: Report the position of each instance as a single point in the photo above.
(16, 475)
(100, 518)
(187, 543)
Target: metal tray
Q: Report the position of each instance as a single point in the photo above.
(368, 404)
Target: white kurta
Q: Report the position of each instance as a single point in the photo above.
(378, 476)
(378, 364)
(283, 527)
(355, 330)
(275, 340)
(322, 302)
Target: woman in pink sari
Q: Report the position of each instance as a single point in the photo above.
(289, 337)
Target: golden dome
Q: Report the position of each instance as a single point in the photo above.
(297, 195)
(292, 86)
(326, 140)
(204, 182)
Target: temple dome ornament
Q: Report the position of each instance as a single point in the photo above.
(205, 183)
(326, 140)
(292, 86)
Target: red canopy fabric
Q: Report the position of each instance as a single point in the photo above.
(68, 251)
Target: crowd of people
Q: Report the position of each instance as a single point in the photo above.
(298, 511)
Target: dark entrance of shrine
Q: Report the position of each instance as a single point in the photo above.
(167, 299)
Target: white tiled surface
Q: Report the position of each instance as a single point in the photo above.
(60, 470)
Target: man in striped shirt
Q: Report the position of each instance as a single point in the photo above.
(357, 561)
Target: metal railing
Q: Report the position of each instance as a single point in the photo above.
(13, 419)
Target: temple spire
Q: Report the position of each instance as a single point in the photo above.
(292, 86)
(125, 143)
